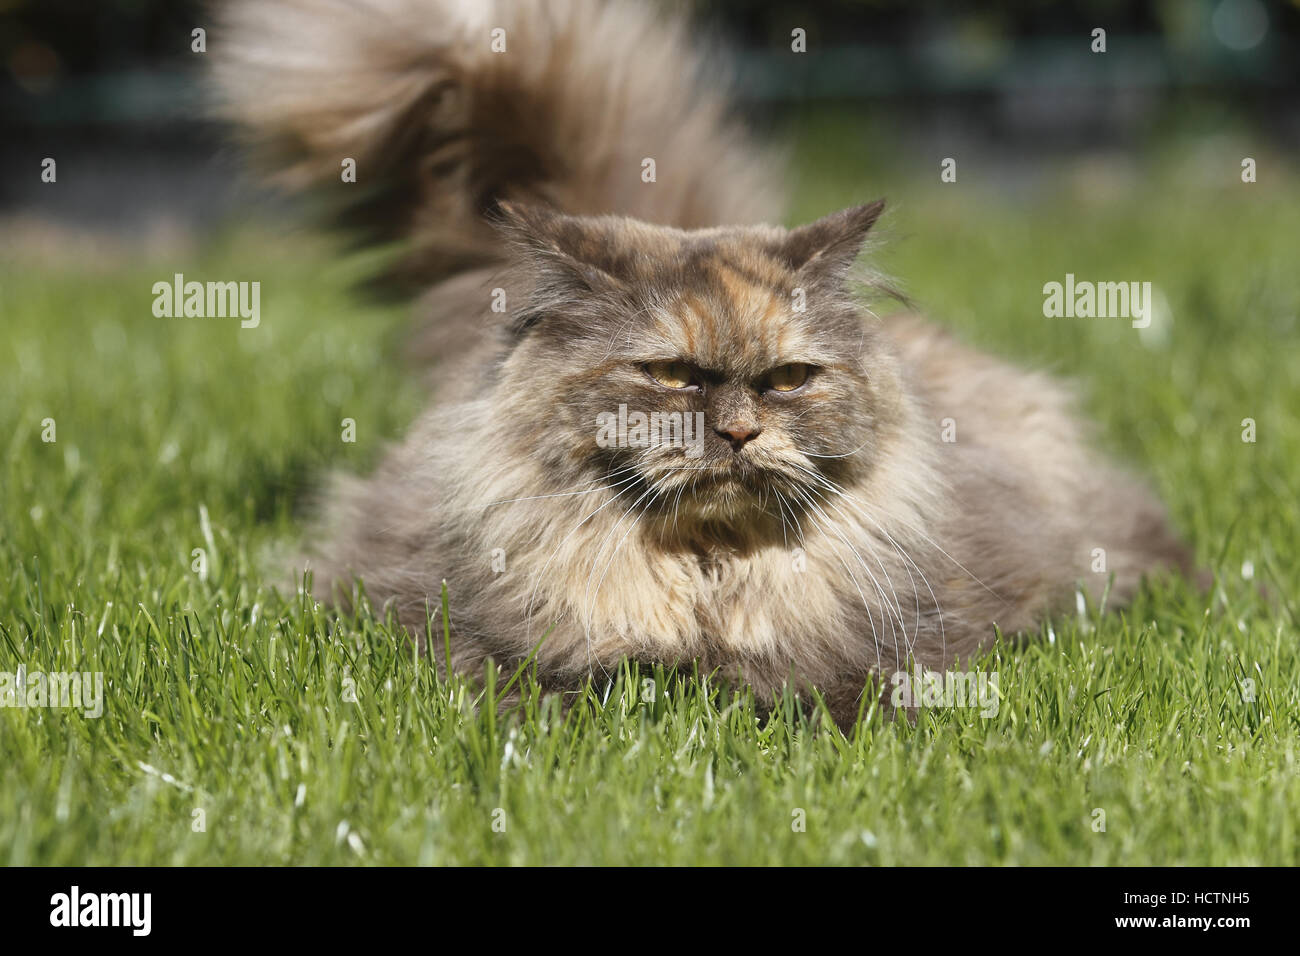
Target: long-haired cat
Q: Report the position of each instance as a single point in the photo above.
(660, 430)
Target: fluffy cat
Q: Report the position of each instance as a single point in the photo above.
(816, 531)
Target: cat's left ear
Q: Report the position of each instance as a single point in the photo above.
(828, 246)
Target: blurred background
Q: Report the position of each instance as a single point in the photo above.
(110, 87)
(185, 436)
(1123, 165)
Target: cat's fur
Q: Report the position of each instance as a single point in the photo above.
(842, 540)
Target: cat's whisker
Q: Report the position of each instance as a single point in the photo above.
(589, 607)
(605, 476)
(780, 503)
(537, 578)
(898, 608)
(893, 517)
(798, 525)
(902, 552)
(856, 502)
(677, 503)
(853, 503)
(809, 454)
(897, 605)
(916, 595)
(558, 494)
(865, 603)
(644, 310)
(930, 541)
(608, 564)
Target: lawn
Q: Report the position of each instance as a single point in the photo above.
(242, 728)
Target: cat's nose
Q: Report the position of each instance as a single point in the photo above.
(738, 435)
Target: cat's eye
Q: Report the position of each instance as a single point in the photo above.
(787, 378)
(671, 374)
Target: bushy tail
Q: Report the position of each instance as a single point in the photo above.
(447, 107)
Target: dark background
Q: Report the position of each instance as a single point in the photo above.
(1013, 79)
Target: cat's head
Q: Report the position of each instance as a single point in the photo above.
(709, 374)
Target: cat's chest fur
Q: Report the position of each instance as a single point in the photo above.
(718, 604)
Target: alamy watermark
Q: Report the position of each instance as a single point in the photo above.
(208, 300)
(923, 688)
(626, 429)
(1086, 300)
(130, 910)
(58, 689)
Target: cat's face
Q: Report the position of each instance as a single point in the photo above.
(709, 374)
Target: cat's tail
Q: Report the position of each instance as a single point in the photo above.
(443, 108)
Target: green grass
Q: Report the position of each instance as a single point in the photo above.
(180, 434)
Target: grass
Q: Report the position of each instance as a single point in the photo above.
(179, 434)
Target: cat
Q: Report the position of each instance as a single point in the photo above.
(816, 531)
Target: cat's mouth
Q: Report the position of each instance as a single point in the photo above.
(720, 502)
(730, 487)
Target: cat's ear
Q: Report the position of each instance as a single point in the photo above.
(568, 251)
(828, 246)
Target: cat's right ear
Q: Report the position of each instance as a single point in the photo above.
(564, 256)
(568, 255)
